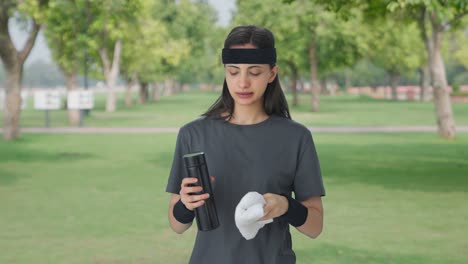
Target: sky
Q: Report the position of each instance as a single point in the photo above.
(42, 52)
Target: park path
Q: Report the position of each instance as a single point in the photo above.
(154, 130)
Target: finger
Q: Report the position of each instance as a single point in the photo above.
(212, 179)
(189, 180)
(268, 206)
(196, 198)
(196, 204)
(266, 216)
(193, 190)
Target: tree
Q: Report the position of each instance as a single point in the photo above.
(33, 12)
(441, 17)
(435, 17)
(196, 23)
(150, 49)
(396, 48)
(65, 31)
(109, 21)
(192, 23)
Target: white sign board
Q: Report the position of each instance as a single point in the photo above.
(83, 99)
(24, 99)
(47, 100)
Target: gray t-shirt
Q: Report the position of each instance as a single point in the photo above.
(275, 156)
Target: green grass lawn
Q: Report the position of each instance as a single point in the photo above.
(391, 198)
(174, 111)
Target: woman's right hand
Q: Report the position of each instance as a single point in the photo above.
(189, 194)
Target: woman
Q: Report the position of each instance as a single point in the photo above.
(251, 144)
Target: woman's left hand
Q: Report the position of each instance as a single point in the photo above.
(276, 205)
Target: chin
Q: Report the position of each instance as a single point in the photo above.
(247, 102)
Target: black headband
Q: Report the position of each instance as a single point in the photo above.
(249, 56)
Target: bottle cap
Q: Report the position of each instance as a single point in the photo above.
(194, 159)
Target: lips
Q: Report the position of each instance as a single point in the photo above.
(245, 95)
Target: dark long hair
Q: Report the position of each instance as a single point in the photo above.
(274, 101)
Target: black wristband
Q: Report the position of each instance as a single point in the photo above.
(182, 214)
(297, 212)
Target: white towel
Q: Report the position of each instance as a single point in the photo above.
(248, 211)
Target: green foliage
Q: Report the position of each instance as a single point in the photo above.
(396, 47)
(365, 73)
(66, 34)
(455, 52)
(195, 23)
(341, 43)
(35, 9)
(172, 40)
(460, 41)
(148, 46)
(444, 11)
(108, 22)
(74, 27)
(460, 79)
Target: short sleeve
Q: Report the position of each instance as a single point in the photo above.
(178, 172)
(308, 178)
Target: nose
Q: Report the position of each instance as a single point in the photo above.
(244, 81)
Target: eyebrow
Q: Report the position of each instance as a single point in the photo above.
(250, 67)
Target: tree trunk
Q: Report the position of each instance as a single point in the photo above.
(144, 93)
(301, 87)
(425, 71)
(443, 105)
(314, 83)
(394, 81)
(168, 87)
(348, 80)
(293, 83)
(71, 84)
(156, 92)
(12, 108)
(111, 102)
(424, 82)
(177, 87)
(13, 61)
(128, 90)
(128, 94)
(323, 86)
(427, 43)
(111, 72)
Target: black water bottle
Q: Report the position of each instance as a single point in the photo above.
(206, 215)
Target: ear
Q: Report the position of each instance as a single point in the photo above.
(273, 74)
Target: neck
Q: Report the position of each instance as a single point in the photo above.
(248, 115)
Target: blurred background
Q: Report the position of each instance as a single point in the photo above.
(92, 93)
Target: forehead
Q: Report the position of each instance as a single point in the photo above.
(246, 66)
(243, 46)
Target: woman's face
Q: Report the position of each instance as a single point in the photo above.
(247, 82)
